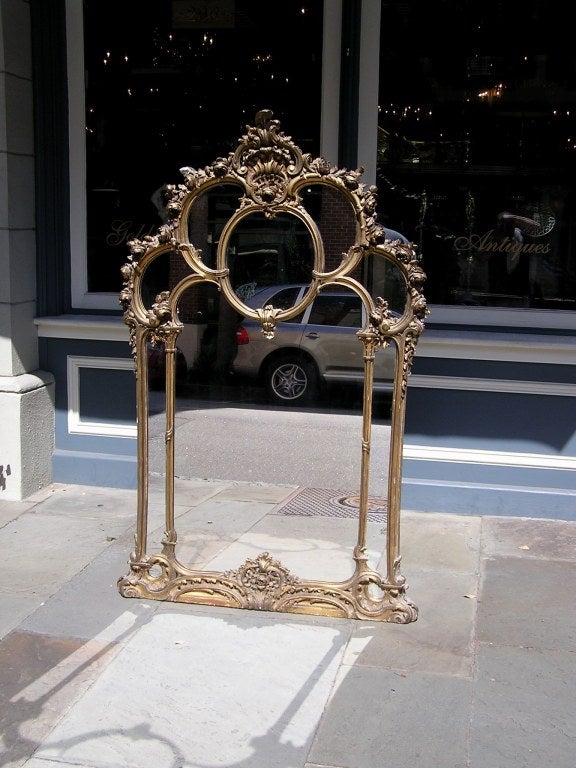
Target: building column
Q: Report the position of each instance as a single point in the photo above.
(331, 56)
(350, 83)
(368, 90)
(26, 394)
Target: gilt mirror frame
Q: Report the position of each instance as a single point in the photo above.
(270, 171)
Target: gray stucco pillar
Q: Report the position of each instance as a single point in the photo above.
(26, 394)
(350, 82)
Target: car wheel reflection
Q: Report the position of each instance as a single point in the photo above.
(291, 381)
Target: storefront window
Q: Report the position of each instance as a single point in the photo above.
(174, 83)
(477, 148)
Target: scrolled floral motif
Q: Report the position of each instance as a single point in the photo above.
(127, 271)
(264, 574)
(381, 320)
(267, 317)
(412, 336)
(349, 178)
(267, 159)
(220, 167)
(160, 312)
(416, 279)
(318, 165)
(370, 196)
(137, 249)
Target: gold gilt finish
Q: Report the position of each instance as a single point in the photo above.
(270, 170)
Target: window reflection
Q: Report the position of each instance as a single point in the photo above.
(477, 145)
(477, 131)
(263, 251)
(168, 85)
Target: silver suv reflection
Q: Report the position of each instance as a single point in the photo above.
(318, 347)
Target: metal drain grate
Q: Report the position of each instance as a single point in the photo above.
(325, 502)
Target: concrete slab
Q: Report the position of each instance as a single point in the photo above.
(14, 608)
(46, 492)
(439, 541)
(523, 712)
(380, 717)
(90, 606)
(310, 547)
(529, 538)
(226, 516)
(204, 531)
(40, 678)
(79, 501)
(274, 494)
(205, 691)
(90, 678)
(33, 763)
(188, 493)
(10, 510)
(42, 551)
(441, 641)
(528, 603)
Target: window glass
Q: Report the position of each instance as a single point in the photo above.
(343, 311)
(270, 251)
(174, 83)
(286, 299)
(477, 148)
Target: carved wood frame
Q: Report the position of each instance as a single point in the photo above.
(271, 170)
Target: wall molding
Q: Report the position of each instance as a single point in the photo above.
(76, 425)
(92, 327)
(503, 317)
(510, 386)
(492, 458)
(499, 347)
